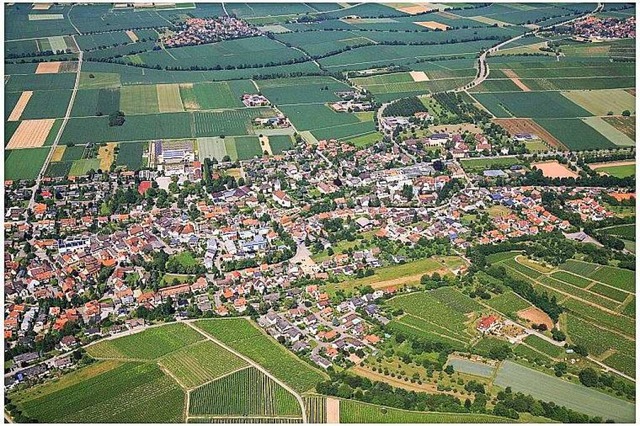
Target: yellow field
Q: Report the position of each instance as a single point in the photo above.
(106, 154)
(169, 98)
(58, 152)
(31, 134)
(20, 106)
(48, 68)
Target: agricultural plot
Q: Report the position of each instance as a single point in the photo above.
(361, 412)
(575, 134)
(99, 80)
(601, 102)
(36, 82)
(247, 392)
(205, 96)
(571, 395)
(433, 315)
(313, 116)
(597, 340)
(81, 167)
(148, 344)
(212, 148)
(508, 303)
(530, 105)
(479, 164)
(169, 98)
(142, 99)
(121, 394)
(316, 408)
(572, 279)
(456, 300)
(252, 52)
(626, 125)
(545, 347)
(345, 131)
(24, 164)
(301, 90)
(627, 232)
(616, 277)
(130, 155)
(609, 132)
(621, 362)
(471, 367)
(200, 363)
(247, 147)
(621, 171)
(244, 337)
(280, 143)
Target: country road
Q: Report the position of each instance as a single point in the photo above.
(59, 135)
(483, 66)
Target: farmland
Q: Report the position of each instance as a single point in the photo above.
(247, 392)
(149, 344)
(359, 412)
(24, 163)
(100, 397)
(244, 337)
(574, 396)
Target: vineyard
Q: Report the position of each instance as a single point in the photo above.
(247, 392)
(149, 344)
(200, 363)
(243, 336)
(316, 408)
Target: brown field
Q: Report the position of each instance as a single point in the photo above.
(626, 125)
(536, 316)
(58, 152)
(48, 68)
(433, 25)
(265, 145)
(418, 8)
(68, 66)
(31, 134)
(106, 154)
(419, 76)
(448, 15)
(553, 169)
(132, 36)
(20, 106)
(41, 6)
(631, 91)
(526, 125)
(333, 410)
(515, 79)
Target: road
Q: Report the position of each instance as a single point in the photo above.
(254, 364)
(483, 66)
(59, 135)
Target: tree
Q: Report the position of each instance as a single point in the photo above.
(560, 369)
(449, 369)
(626, 113)
(588, 377)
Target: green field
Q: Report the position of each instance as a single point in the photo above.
(148, 344)
(121, 393)
(360, 412)
(247, 147)
(575, 134)
(280, 143)
(530, 105)
(247, 392)
(480, 164)
(141, 99)
(471, 367)
(508, 303)
(627, 232)
(197, 364)
(545, 347)
(243, 336)
(573, 396)
(24, 163)
(619, 171)
(82, 167)
(130, 155)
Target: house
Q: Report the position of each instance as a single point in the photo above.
(67, 343)
(489, 324)
(282, 198)
(320, 361)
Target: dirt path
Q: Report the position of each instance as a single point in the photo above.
(333, 410)
(256, 365)
(612, 164)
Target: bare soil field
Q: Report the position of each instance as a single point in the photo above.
(41, 6)
(433, 25)
(612, 164)
(526, 125)
(48, 68)
(419, 8)
(333, 410)
(132, 36)
(515, 79)
(536, 316)
(553, 169)
(31, 134)
(419, 76)
(107, 156)
(20, 106)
